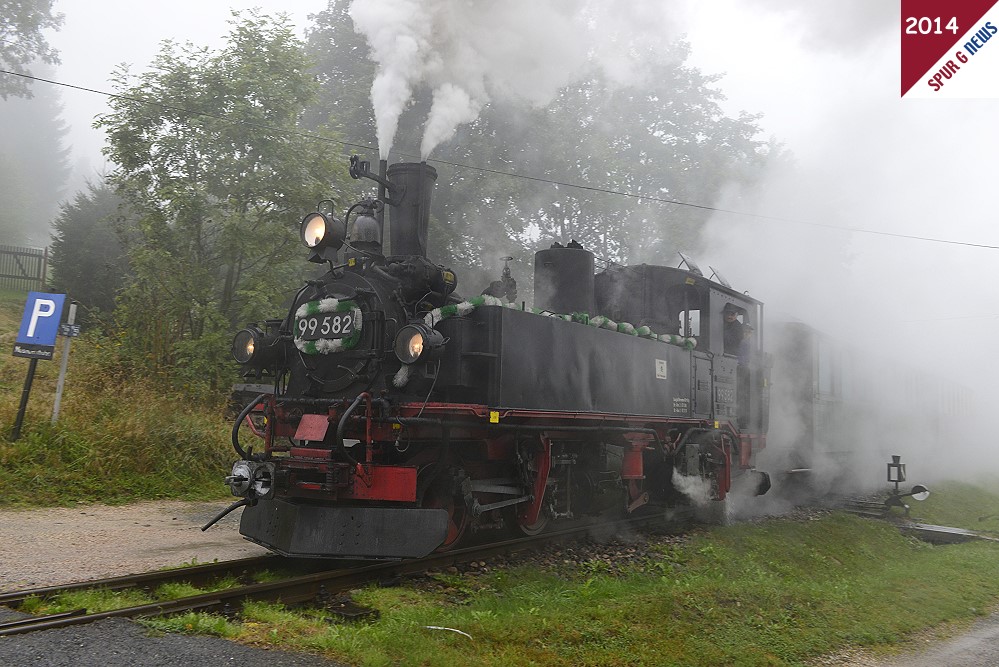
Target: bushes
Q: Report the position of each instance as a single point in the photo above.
(121, 435)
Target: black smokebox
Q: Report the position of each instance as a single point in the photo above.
(411, 193)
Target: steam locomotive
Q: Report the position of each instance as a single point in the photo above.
(398, 417)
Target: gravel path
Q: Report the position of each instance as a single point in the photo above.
(60, 545)
(119, 643)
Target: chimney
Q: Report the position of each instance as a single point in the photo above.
(412, 191)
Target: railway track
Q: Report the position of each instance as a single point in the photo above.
(293, 590)
(926, 532)
(324, 579)
(862, 507)
(195, 575)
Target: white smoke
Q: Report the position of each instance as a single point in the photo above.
(833, 27)
(452, 106)
(398, 33)
(696, 488)
(868, 160)
(470, 51)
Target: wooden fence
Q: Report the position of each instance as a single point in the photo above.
(23, 268)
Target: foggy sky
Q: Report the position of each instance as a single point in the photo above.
(98, 35)
(866, 159)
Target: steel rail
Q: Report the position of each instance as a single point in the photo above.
(194, 574)
(860, 506)
(303, 588)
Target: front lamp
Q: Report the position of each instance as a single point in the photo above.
(244, 344)
(253, 348)
(417, 342)
(315, 227)
(323, 235)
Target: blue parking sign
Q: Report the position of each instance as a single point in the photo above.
(36, 338)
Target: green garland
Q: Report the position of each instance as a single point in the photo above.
(599, 321)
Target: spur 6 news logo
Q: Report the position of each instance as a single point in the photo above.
(950, 49)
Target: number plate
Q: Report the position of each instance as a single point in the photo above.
(324, 325)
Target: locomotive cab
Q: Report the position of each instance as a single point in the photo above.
(722, 321)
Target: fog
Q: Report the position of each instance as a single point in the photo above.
(867, 160)
(830, 239)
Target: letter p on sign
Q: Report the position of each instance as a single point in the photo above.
(43, 308)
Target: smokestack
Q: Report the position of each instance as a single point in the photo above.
(412, 191)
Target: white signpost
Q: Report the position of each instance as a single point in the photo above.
(69, 331)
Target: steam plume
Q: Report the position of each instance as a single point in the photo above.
(470, 51)
(452, 106)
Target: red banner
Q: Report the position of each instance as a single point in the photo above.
(933, 28)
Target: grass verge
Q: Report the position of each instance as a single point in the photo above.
(778, 593)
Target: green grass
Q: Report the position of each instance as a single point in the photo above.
(96, 600)
(777, 593)
(120, 437)
(971, 505)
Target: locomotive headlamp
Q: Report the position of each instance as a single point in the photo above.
(315, 227)
(320, 231)
(416, 341)
(252, 347)
(244, 344)
(323, 235)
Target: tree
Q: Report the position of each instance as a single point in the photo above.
(88, 260)
(22, 41)
(33, 166)
(211, 161)
(345, 71)
(670, 142)
(666, 140)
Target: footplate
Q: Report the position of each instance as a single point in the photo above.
(317, 531)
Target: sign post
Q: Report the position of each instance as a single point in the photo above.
(69, 331)
(36, 340)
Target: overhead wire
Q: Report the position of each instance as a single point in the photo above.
(507, 174)
(945, 319)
